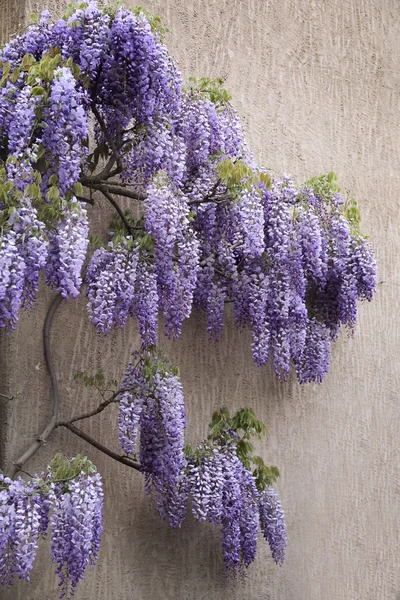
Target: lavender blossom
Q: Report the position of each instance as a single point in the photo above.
(273, 525)
(76, 528)
(67, 251)
(111, 277)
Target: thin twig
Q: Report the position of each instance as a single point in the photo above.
(96, 411)
(86, 200)
(214, 199)
(119, 210)
(84, 436)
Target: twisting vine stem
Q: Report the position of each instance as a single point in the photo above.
(42, 438)
(54, 422)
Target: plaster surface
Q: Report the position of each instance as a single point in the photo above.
(317, 84)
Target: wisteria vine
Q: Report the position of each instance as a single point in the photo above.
(206, 227)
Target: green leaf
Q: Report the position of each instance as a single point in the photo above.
(53, 179)
(53, 193)
(34, 191)
(6, 68)
(15, 74)
(38, 90)
(78, 188)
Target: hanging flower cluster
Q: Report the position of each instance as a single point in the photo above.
(215, 227)
(68, 500)
(216, 474)
(154, 404)
(226, 490)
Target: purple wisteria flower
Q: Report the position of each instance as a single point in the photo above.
(76, 528)
(67, 251)
(111, 277)
(73, 512)
(272, 524)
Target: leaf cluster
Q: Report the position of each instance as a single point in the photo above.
(238, 429)
(210, 89)
(154, 361)
(237, 176)
(324, 186)
(97, 381)
(63, 469)
(353, 215)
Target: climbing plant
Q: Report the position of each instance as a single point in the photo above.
(92, 105)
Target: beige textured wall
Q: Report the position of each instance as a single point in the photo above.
(317, 83)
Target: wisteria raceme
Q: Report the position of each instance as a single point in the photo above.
(111, 277)
(32, 244)
(140, 59)
(176, 256)
(154, 148)
(314, 363)
(224, 493)
(131, 403)
(12, 271)
(363, 264)
(73, 512)
(75, 526)
(67, 251)
(20, 126)
(152, 402)
(66, 130)
(162, 460)
(272, 524)
(239, 535)
(145, 304)
(177, 305)
(19, 528)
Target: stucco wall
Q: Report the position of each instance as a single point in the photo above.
(317, 83)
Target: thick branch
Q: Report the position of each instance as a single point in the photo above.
(106, 173)
(42, 438)
(84, 436)
(115, 189)
(53, 423)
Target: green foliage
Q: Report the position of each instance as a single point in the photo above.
(96, 381)
(324, 186)
(237, 176)
(153, 361)
(139, 236)
(211, 89)
(239, 429)
(353, 215)
(156, 361)
(64, 469)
